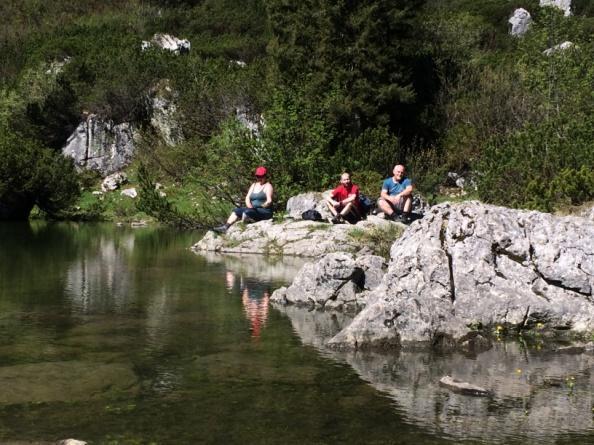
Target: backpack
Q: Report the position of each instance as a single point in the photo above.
(366, 203)
(311, 215)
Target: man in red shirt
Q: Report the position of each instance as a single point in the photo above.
(344, 202)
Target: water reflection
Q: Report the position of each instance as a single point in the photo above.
(255, 297)
(100, 279)
(251, 276)
(538, 395)
(257, 267)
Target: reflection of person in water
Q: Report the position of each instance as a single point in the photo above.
(256, 310)
(253, 298)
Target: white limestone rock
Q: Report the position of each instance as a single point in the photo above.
(295, 238)
(564, 5)
(168, 42)
(164, 113)
(100, 145)
(113, 181)
(558, 48)
(298, 204)
(520, 22)
(472, 264)
(130, 193)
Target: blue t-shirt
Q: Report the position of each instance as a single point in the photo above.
(394, 187)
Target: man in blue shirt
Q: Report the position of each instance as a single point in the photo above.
(396, 196)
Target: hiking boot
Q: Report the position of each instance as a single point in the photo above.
(407, 218)
(336, 220)
(221, 229)
(397, 217)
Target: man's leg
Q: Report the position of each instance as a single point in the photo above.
(349, 213)
(386, 207)
(331, 207)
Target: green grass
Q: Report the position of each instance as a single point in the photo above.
(379, 239)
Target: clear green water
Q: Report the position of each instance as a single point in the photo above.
(120, 335)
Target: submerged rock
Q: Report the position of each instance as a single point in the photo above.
(463, 387)
(65, 381)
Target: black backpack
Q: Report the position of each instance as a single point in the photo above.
(311, 215)
(367, 203)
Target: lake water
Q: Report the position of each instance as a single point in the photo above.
(123, 336)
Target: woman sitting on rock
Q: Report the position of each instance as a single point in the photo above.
(258, 203)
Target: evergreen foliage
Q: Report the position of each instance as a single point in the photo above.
(339, 85)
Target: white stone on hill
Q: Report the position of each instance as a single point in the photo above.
(100, 145)
(168, 42)
(564, 5)
(520, 22)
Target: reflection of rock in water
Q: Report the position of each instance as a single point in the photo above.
(100, 280)
(315, 327)
(258, 267)
(536, 394)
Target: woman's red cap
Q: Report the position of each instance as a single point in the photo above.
(261, 171)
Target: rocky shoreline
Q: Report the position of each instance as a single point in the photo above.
(310, 239)
(460, 276)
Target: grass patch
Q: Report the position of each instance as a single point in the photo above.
(379, 239)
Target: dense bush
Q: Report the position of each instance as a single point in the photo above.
(31, 174)
(547, 159)
(438, 85)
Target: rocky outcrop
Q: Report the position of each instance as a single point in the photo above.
(164, 113)
(520, 22)
(470, 266)
(113, 182)
(564, 5)
(299, 238)
(167, 42)
(101, 145)
(336, 281)
(558, 48)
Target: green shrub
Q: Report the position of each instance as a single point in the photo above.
(31, 174)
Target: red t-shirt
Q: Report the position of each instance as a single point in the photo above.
(341, 193)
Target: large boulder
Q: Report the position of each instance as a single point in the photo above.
(298, 204)
(520, 22)
(113, 181)
(564, 5)
(473, 266)
(101, 145)
(336, 281)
